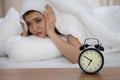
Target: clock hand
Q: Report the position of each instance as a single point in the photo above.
(89, 63)
(87, 58)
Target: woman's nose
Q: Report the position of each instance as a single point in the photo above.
(34, 27)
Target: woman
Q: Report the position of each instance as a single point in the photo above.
(42, 24)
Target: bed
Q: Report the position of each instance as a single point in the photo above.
(111, 59)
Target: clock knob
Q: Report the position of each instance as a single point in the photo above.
(99, 47)
(82, 47)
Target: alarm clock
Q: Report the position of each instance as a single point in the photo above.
(91, 59)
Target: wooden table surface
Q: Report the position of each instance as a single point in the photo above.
(58, 74)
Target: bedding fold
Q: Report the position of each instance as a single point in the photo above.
(91, 26)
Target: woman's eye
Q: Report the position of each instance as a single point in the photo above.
(39, 20)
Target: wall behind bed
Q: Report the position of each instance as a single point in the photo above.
(6, 4)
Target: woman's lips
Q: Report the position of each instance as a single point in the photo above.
(38, 33)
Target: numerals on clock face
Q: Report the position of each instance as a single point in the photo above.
(91, 60)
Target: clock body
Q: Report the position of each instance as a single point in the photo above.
(91, 60)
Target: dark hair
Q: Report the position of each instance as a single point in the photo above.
(27, 13)
(28, 32)
(57, 31)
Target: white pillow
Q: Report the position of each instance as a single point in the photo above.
(110, 16)
(10, 26)
(31, 48)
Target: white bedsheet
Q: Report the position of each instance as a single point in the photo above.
(111, 60)
(59, 62)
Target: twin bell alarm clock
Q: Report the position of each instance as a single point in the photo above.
(91, 59)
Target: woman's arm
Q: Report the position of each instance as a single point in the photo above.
(69, 49)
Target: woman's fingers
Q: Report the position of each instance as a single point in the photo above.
(22, 24)
(50, 13)
(24, 33)
(50, 19)
(23, 27)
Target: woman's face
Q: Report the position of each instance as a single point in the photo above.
(36, 23)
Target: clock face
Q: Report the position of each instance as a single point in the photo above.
(91, 60)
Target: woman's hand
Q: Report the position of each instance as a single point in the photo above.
(50, 20)
(24, 33)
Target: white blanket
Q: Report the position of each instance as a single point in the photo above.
(91, 25)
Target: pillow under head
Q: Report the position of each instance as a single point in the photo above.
(31, 48)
